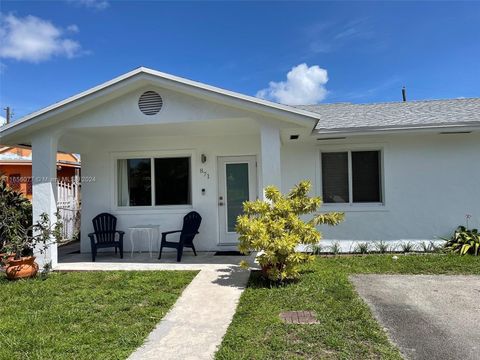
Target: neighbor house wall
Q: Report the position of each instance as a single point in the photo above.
(25, 174)
(430, 182)
(98, 189)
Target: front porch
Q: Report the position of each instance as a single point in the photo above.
(70, 259)
(155, 147)
(222, 163)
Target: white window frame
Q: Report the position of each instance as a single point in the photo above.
(152, 155)
(350, 205)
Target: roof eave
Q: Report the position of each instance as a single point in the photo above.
(303, 117)
(395, 130)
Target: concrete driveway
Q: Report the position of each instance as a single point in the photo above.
(426, 316)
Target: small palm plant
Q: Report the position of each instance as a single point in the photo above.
(382, 247)
(428, 246)
(362, 248)
(315, 249)
(274, 227)
(336, 248)
(407, 246)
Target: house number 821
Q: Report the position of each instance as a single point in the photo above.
(204, 173)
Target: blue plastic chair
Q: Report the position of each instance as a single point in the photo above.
(104, 235)
(191, 224)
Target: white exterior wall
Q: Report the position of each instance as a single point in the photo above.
(430, 182)
(99, 196)
(270, 171)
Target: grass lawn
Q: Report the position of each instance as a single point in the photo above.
(346, 330)
(84, 315)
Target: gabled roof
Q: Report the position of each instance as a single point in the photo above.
(341, 118)
(345, 117)
(268, 107)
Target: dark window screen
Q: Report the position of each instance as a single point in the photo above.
(366, 176)
(335, 177)
(172, 181)
(139, 181)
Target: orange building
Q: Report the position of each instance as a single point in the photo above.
(16, 165)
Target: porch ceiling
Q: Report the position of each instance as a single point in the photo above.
(79, 140)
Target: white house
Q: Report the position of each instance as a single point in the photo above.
(155, 146)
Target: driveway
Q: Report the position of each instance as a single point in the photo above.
(426, 316)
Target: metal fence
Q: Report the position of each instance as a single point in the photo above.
(69, 205)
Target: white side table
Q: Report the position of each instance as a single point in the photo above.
(144, 229)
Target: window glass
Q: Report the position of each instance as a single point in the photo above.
(172, 181)
(134, 182)
(237, 192)
(335, 177)
(366, 176)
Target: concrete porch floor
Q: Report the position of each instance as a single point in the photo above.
(70, 259)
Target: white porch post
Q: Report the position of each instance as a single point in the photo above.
(44, 173)
(270, 173)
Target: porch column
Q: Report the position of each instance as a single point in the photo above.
(44, 173)
(270, 172)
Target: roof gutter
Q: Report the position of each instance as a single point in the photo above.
(397, 130)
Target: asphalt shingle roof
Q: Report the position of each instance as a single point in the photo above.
(431, 113)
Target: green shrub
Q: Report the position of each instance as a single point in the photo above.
(464, 241)
(12, 201)
(274, 227)
(18, 235)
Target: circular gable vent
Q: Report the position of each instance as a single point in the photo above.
(150, 103)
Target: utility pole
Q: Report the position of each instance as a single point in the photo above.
(8, 113)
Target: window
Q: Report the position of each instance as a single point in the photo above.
(351, 177)
(158, 181)
(172, 181)
(335, 177)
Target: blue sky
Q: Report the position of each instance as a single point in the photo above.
(353, 51)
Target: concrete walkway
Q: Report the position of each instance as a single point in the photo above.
(427, 316)
(195, 326)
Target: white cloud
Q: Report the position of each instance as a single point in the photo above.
(328, 37)
(3, 121)
(33, 39)
(73, 28)
(92, 4)
(304, 85)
